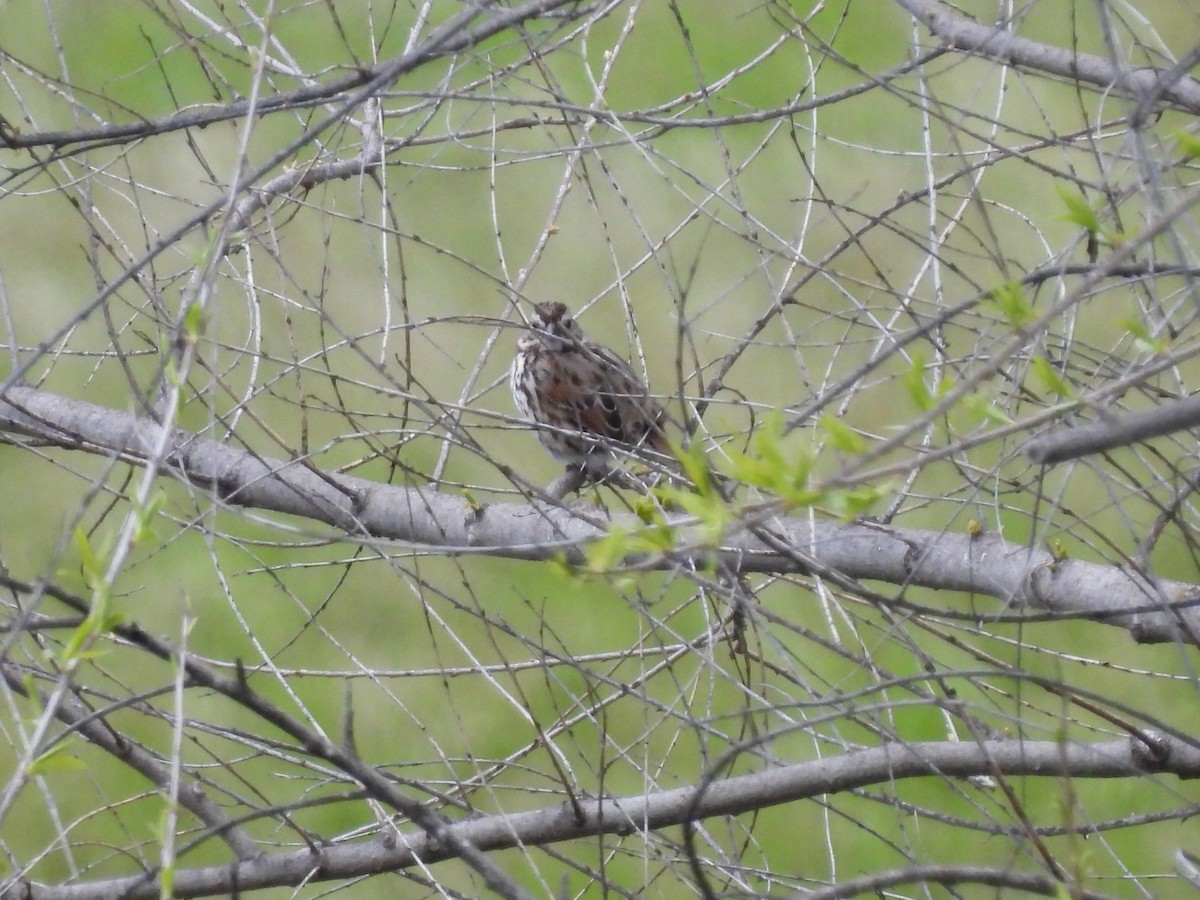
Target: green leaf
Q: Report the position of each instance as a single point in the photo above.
(695, 467)
(84, 633)
(648, 510)
(714, 517)
(1143, 340)
(194, 323)
(1087, 216)
(981, 408)
(56, 759)
(841, 436)
(1050, 379)
(559, 565)
(89, 654)
(144, 524)
(604, 554)
(1010, 300)
(1079, 211)
(774, 463)
(1189, 144)
(655, 537)
(850, 503)
(914, 380)
(89, 560)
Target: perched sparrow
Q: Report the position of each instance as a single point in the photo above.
(584, 400)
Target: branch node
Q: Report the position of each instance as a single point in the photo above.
(1151, 749)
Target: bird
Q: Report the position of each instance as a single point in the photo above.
(585, 401)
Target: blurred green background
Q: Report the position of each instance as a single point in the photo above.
(354, 318)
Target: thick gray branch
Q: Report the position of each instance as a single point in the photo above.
(1154, 610)
(623, 815)
(1114, 431)
(995, 42)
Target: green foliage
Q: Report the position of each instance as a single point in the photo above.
(145, 515)
(194, 323)
(914, 381)
(57, 759)
(610, 551)
(977, 408)
(1050, 378)
(695, 467)
(969, 410)
(622, 543)
(1189, 144)
(779, 465)
(1079, 211)
(850, 503)
(1012, 303)
(1087, 216)
(91, 566)
(1143, 339)
(774, 465)
(841, 436)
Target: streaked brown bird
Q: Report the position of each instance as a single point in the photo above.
(584, 400)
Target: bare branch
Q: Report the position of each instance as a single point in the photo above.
(882, 281)
(878, 882)
(995, 42)
(1114, 431)
(453, 36)
(91, 725)
(657, 810)
(1153, 610)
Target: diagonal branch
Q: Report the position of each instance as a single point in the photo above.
(92, 726)
(1114, 431)
(1154, 610)
(453, 36)
(924, 875)
(620, 815)
(1174, 86)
